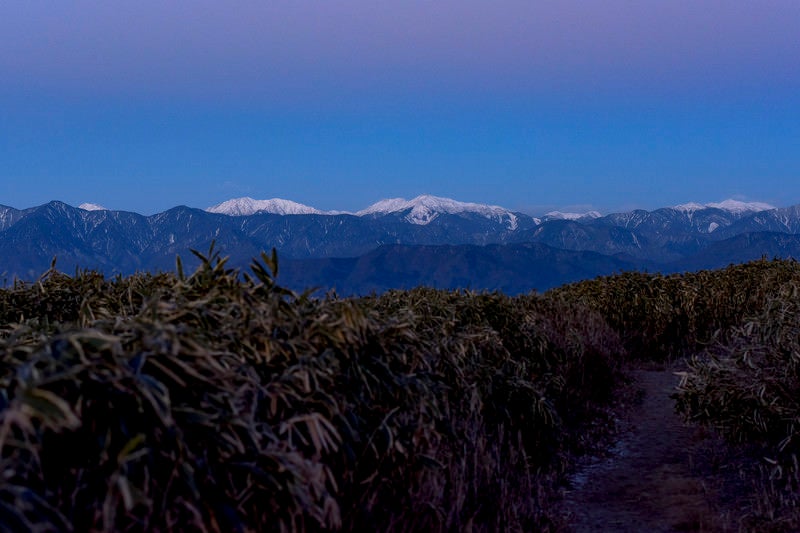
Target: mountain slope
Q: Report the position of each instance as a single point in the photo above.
(605, 239)
(513, 269)
(8, 216)
(783, 220)
(742, 248)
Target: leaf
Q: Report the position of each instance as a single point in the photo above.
(127, 454)
(179, 268)
(53, 410)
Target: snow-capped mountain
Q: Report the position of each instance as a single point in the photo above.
(780, 220)
(423, 209)
(730, 205)
(86, 206)
(121, 242)
(685, 221)
(246, 206)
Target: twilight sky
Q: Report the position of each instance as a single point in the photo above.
(532, 105)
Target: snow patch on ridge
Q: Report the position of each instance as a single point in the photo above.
(558, 215)
(425, 208)
(689, 208)
(86, 206)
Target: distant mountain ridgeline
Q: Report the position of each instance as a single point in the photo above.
(399, 243)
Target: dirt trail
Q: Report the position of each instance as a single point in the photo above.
(649, 483)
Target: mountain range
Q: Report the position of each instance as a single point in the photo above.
(397, 242)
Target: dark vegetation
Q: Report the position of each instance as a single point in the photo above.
(221, 401)
(739, 328)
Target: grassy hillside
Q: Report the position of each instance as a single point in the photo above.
(223, 402)
(215, 403)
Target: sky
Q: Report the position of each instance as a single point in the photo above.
(532, 105)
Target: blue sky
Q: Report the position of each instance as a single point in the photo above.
(531, 105)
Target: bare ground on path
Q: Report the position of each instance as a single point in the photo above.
(653, 480)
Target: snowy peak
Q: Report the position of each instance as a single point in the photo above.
(238, 207)
(735, 206)
(86, 206)
(425, 208)
(731, 206)
(384, 207)
(558, 215)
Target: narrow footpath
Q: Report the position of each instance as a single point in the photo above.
(650, 482)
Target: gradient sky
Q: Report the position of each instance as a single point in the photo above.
(532, 105)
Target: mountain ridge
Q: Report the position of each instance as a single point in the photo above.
(119, 242)
(245, 206)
